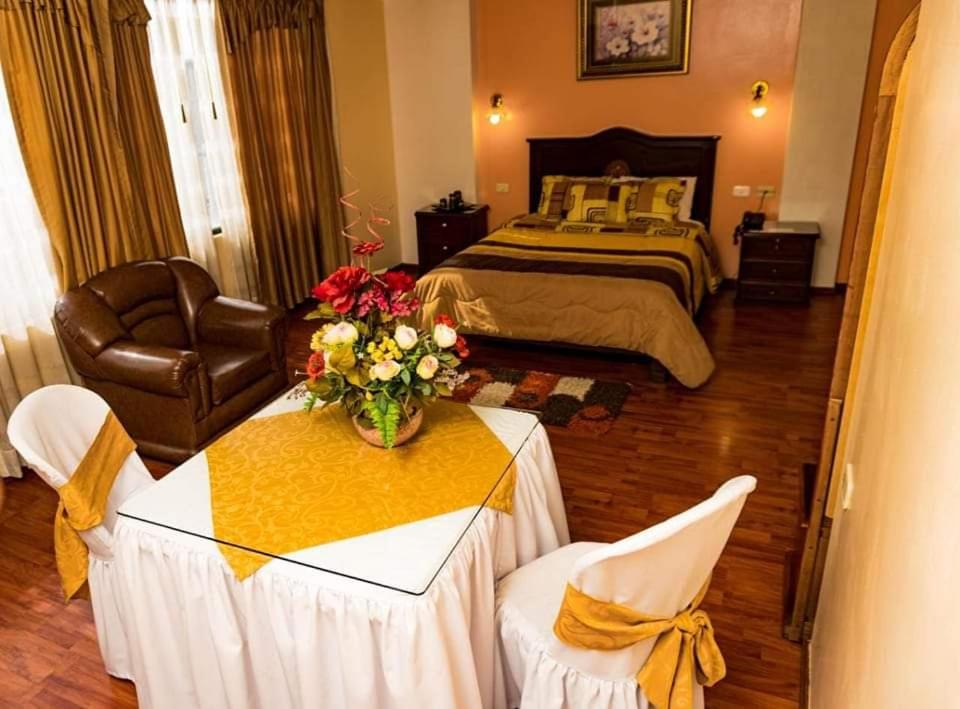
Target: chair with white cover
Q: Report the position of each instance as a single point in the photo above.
(657, 572)
(52, 429)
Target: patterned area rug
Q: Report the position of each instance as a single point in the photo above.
(576, 403)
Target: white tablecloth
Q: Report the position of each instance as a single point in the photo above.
(293, 636)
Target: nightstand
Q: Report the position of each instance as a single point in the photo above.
(442, 234)
(776, 262)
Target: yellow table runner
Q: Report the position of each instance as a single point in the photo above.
(296, 480)
(83, 501)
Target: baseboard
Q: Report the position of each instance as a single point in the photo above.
(838, 289)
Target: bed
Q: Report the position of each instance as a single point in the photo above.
(635, 287)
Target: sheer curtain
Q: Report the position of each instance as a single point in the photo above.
(183, 52)
(30, 355)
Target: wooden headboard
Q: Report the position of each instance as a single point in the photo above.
(644, 156)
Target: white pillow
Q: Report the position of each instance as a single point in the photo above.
(686, 204)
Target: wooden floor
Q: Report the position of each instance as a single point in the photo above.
(761, 414)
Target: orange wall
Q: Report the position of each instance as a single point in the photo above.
(890, 16)
(526, 50)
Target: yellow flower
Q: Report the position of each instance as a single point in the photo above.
(316, 343)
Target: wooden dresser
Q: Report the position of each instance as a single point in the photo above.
(442, 234)
(776, 262)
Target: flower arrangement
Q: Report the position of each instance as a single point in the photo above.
(382, 370)
(633, 31)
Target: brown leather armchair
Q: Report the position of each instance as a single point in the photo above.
(176, 361)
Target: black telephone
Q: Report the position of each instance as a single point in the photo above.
(752, 221)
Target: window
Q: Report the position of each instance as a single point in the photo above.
(27, 285)
(186, 68)
(203, 145)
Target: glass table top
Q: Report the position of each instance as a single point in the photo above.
(401, 551)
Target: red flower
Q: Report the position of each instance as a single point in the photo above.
(401, 307)
(461, 346)
(373, 298)
(315, 366)
(340, 288)
(366, 248)
(444, 319)
(398, 281)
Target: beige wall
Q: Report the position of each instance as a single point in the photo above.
(828, 90)
(886, 631)
(526, 50)
(891, 15)
(358, 62)
(429, 53)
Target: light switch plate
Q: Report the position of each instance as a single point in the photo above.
(847, 500)
(741, 190)
(503, 187)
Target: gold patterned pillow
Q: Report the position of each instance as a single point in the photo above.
(653, 198)
(562, 196)
(590, 202)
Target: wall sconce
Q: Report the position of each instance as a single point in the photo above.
(758, 95)
(496, 114)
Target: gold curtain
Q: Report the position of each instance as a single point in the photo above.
(277, 71)
(142, 132)
(81, 120)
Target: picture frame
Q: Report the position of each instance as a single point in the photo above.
(622, 38)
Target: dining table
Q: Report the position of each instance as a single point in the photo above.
(291, 564)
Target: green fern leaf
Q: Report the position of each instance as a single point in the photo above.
(391, 422)
(386, 419)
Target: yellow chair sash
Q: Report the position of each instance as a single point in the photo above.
(685, 649)
(83, 501)
(293, 481)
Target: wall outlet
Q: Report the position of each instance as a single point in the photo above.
(503, 187)
(741, 190)
(766, 190)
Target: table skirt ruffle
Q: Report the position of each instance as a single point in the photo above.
(548, 684)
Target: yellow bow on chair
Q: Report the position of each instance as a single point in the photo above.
(685, 651)
(83, 501)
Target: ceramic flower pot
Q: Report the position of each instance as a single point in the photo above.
(407, 430)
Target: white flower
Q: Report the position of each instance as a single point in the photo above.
(405, 337)
(444, 335)
(385, 371)
(427, 367)
(645, 33)
(343, 333)
(618, 46)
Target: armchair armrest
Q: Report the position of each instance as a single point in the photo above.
(161, 370)
(240, 323)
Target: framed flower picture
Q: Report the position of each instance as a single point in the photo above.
(633, 38)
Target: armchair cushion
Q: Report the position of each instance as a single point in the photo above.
(232, 369)
(86, 320)
(240, 323)
(161, 370)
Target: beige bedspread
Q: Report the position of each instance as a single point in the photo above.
(601, 286)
